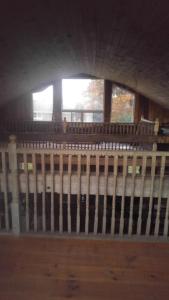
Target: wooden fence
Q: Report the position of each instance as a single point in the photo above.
(16, 127)
(93, 191)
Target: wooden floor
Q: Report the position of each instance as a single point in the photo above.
(48, 268)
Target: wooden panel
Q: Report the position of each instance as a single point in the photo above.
(44, 268)
(107, 100)
(157, 111)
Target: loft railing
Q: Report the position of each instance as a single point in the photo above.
(99, 192)
(110, 128)
(110, 134)
(78, 128)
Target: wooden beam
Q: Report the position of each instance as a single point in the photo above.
(57, 100)
(107, 100)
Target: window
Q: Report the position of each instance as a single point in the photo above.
(43, 105)
(82, 100)
(122, 105)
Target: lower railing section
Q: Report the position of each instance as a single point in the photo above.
(5, 212)
(93, 215)
(98, 192)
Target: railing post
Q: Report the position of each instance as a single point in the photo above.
(15, 211)
(64, 126)
(156, 126)
(156, 131)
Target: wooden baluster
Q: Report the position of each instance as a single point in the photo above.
(61, 194)
(117, 128)
(166, 221)
(127, 129)
(112, 128)
(123, 194)
(64, 126)
(87, 194)
(120, 128)
(105, 194)
(15, 205)
(69, 193)
(132, 195)
(157, 222)
(79, 193)
(43, 193)
(52, 191)
(156, 126)
(151, 194)
(139, 221)
(35, 192)
(27, 190)
(124, 129)
(114, 194)
(5, 185)
(97, 196)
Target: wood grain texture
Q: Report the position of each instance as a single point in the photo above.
(47, 268)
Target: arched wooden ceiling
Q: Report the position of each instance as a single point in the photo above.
(126, 41)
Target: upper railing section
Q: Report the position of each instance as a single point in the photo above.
(74, 132)
(78, 127)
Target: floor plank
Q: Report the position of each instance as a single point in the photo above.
(49, 268)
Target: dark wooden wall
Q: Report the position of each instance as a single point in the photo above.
(20, 109)
(149, 110)
(157, 111)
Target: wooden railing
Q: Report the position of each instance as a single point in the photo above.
(16, 127)
(106, 135)
(107, 192)
(110, 128)
(28, 144)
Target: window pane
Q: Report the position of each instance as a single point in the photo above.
(43, 105)
(76, 117)
(82, 94)
(122, 105)
(87, 117)
(97, 117)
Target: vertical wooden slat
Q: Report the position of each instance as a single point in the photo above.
(132, 195)
(4, 170)
(97, 196)
(27, 191)
(114, 194)
(123, 194)
(43, 193)
(61, 194)
(79, 193)
(35, 192)
(52, 191)
(166, 221)
(69, 193)
(105, 193)
(139, 222)
(87, 193)
(157, 222)
(153, 166)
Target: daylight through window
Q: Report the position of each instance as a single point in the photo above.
(122, 110)
(43, 105)
(82, 100)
